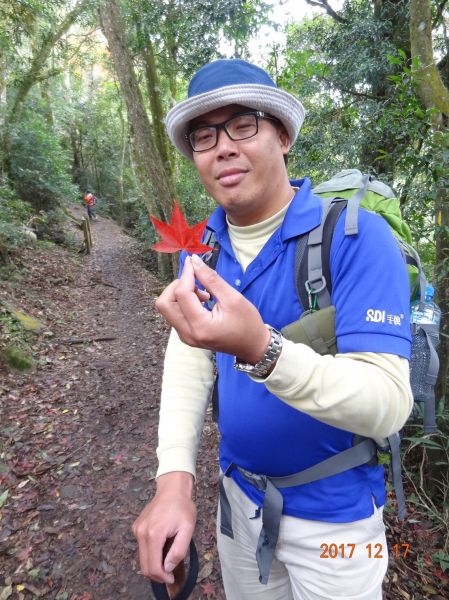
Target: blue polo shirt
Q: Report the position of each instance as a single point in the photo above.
(370, 291)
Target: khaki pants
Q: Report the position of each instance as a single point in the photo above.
(314, 560)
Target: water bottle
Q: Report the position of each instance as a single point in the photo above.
(426, 313)
(425, 319)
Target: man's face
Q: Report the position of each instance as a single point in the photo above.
(247, 177)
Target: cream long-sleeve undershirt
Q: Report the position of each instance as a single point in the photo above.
(363, 392)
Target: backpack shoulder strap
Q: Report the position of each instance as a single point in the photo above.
(211, 257)
(312, 270)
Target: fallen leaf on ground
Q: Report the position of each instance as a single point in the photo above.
(205, 571)
(209, 590)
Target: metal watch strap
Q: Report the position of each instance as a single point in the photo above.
(271, 355)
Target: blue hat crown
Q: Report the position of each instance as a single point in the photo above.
(224, 72)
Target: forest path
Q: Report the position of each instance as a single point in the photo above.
(80, 431)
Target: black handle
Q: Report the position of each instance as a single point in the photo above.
(160, 589)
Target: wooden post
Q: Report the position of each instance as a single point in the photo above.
(87, 234)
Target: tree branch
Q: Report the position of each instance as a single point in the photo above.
(48, 75)
(330, 11)
(40, 58)
(439, 13)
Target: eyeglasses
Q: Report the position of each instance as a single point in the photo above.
(240, 127)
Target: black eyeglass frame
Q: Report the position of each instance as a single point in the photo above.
(259, 114)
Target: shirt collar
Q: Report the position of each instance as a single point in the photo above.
(304, 213)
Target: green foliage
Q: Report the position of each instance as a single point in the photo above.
(17, 19)
(426, 460)
(141, 225)
(442, 560)
(15, 342)
(12, 209)
(39, 165)
(53, 227)
(14, 213)
(195, 203)
(355, 81)
(11, 238)
(18, 359)
(183, 45)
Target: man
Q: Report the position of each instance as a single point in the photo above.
(282, 407)
(90, 201)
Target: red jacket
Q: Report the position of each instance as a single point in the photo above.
(89, 199)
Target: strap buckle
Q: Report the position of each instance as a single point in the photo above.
(258, 481)
(312, 292)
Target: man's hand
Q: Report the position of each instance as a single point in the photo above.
(171, 514)
(233, 326)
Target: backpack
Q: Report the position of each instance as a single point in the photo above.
(351, 189)
(90, 198)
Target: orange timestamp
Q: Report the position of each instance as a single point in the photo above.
(371, 550)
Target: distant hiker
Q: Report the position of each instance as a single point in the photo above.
(287, 414)
(90, 201)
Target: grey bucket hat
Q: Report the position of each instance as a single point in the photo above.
(232, 81)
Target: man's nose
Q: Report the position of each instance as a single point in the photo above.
(225, 145)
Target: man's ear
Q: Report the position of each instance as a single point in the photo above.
(284, 139)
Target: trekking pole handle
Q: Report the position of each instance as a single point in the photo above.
(160, 589)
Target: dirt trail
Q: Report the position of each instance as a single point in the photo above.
(79, 433)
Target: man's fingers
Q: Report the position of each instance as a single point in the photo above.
(188, 299)
(202, 295)
(167, 304)
(150, 558)
(211, 281)
(178, 550)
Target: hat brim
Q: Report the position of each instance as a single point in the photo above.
(274, 101)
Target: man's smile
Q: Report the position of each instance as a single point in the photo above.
(231, 176)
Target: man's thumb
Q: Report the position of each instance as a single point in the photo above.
(209, 278)
(197, 262)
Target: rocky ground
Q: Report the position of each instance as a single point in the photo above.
(78, 437)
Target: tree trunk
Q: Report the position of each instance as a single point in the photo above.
(157, 111)
(123, 140)
(434, 95)
(76, 165)
(48, 109)
(156, 187)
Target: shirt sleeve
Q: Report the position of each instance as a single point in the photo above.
(370, 289)
(366, 393)
(186, 388)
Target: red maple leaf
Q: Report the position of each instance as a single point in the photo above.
(178, 235)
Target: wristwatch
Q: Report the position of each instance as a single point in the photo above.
(270, 357)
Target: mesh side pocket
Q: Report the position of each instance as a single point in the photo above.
(423, 390)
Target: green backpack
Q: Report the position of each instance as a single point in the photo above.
(316, 327)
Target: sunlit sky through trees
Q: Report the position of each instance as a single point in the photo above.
(283, 13)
